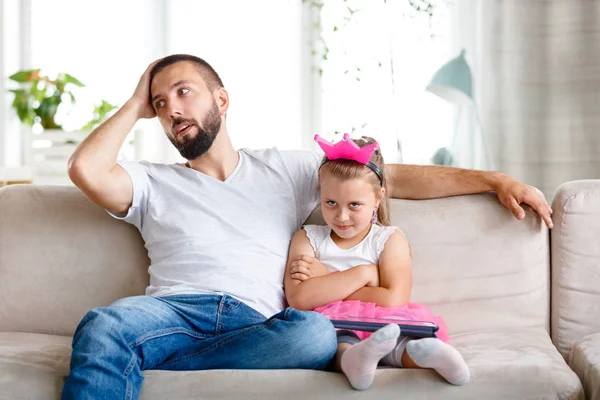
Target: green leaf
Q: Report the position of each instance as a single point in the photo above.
(21, 105)
(22, 114)
(106, 107)
(24, 76)
(100, 113)
(71, 79)
(60, 85)
(17, 92)
(88, 127)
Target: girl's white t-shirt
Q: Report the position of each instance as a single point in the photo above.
(336, 259)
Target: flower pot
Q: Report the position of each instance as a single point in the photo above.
(48, 154)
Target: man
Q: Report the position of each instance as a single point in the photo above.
(217, 230)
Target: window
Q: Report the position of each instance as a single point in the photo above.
(108, 46)
(381, 56)
(255, 46)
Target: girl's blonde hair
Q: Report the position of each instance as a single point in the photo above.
(348, 169)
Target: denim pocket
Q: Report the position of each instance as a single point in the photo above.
(166, 332)
(229, 303)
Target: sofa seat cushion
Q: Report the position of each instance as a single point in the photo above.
(584, 358)
(33, 366)
(504, 364)
(511, 364)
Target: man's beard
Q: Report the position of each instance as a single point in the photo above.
(191, 147)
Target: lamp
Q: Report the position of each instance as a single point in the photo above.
(454, 82)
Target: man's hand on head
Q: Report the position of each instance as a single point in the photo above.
(141, 96)
(512, 193)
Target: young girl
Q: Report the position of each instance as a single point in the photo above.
(359, 265)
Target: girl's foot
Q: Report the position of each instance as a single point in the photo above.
(359, 362)
(445, 359)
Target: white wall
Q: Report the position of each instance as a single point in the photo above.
(255, 48)
(10, 61)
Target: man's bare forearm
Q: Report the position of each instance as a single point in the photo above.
(432, 181)
(99, 151)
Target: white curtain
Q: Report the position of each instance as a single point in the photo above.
(537, 69)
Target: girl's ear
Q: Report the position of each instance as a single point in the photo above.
(378, 202)
(380, 197)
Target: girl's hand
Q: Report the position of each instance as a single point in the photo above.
(307, 267)
(372, 274)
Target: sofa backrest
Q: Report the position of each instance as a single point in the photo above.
(575, 241)
(473, 262)
(60, 256)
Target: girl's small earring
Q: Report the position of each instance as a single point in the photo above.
(374, 219)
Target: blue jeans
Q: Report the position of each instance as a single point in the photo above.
(113, 345)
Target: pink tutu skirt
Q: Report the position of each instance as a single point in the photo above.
(357, 308)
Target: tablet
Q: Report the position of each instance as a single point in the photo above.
(417, 329)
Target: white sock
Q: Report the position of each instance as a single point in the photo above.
(445, 359)
(359, 362)
(394, 357)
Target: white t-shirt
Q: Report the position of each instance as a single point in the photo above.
(336, 259)
(208, 236)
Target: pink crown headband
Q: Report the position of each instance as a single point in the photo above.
(346, 149)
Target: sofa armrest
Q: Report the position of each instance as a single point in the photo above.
(575, 250)
(584, 359)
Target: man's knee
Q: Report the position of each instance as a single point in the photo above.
(122, 320)
(97, 323)
(134, 302)
(316, 337)
(111, 321)
(313, 323)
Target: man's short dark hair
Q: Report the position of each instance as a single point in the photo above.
(210, 76)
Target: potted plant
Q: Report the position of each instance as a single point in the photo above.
(45, 145)
(38, 99)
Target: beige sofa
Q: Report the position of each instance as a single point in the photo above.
(474, 263)
(576, 280)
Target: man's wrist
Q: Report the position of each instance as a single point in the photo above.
(494, 180)
(132, 106)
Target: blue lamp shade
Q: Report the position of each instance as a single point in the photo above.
(454, 81)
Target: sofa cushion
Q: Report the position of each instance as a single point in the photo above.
(585, 361)
(505, 364)
(33, 366)
(575, 263)
(509, 364)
